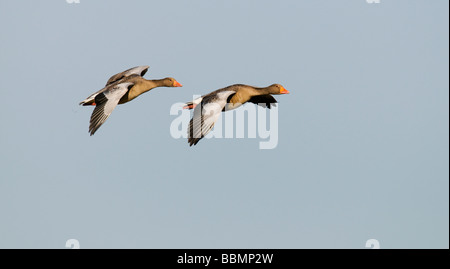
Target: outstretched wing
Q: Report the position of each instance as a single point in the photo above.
(138, 70)
(206, 115)
(106, 102)
(264, 100)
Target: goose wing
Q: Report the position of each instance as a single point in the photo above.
(138, 70)
(264, 100)
(106, 102)
(206, 115)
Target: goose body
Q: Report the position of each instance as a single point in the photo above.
(121, 88)
(207, 108)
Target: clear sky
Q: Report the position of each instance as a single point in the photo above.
(363, 146)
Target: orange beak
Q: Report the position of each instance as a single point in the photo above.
(177, 84)
(283, 90)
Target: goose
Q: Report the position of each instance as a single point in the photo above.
(120, 89)
(207, 108)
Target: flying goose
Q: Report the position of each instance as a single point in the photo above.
(208, 107)
(121, 88)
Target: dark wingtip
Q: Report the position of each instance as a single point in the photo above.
(193, 141)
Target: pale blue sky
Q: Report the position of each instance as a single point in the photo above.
(363, 136)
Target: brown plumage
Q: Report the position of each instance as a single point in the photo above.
(121, 88)
(228, 98)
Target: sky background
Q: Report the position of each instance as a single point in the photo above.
(363, 145)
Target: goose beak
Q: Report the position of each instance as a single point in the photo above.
(177, 84)
(283, 91)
